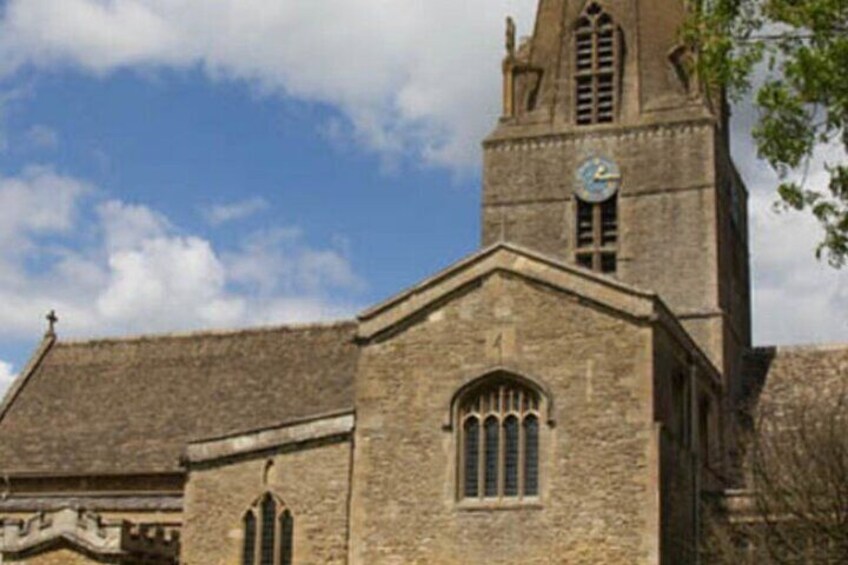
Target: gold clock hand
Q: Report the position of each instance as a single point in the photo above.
(602, 174)
(608, 177)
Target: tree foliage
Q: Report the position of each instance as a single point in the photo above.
(792, 55)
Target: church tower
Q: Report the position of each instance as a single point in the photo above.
(610, 155)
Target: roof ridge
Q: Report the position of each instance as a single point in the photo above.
(297, 327)
(801, 347)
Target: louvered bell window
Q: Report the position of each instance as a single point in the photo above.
(596, 67)
(597, 235)
(499, 442)
(268, 533)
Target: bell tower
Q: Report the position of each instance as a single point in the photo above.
(611, 156)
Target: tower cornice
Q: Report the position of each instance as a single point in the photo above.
(533, 137)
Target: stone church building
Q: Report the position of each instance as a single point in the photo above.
(565, 395)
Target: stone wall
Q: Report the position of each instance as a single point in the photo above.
(684, 470)
(598, 502)
(312, 480)
(668, 221)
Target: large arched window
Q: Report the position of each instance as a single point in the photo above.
(268, 533)
(499, 441)
(597, 67)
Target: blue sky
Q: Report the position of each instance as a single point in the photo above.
(219, 163)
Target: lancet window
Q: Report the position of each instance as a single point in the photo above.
(597, 67)
(499, 442)
(268, 533)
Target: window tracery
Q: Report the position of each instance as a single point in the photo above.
(499, 441)
(268, 533)
(597, 54)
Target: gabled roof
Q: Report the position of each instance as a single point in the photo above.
(588, 286)
(132, 405)
(508, 257)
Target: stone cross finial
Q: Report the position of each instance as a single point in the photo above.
(52, 320)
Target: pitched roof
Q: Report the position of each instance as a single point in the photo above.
(591, 287)
(508, 257)
(132, 405)
(783, 375)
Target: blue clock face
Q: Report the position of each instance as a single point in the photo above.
(597, 179)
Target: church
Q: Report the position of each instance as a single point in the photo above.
(567, 394)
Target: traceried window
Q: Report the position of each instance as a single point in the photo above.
(598, 46)
(499, 441)
(597, 235)
(268, 533)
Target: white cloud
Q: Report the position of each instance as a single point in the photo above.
(164, 279)
(235, 211)
(125, 268)
(38, 203)
(278, 260)
(796, 298)
(42, 137)
(127, 226)
(7, 376)
(418, 79)
(411, 78)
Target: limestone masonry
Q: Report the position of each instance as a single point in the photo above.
(568, 394)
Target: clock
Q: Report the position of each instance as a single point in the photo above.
(597, 180)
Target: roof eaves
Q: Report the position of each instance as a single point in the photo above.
(331, 426)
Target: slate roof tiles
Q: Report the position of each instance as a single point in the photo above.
(132, 405)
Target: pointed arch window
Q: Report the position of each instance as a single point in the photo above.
(597, 67)
(268, 533)
(499, 441)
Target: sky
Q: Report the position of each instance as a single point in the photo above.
(170, 165)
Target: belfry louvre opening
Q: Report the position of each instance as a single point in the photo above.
(597, 48)
(597, 235)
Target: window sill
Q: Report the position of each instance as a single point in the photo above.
(498, 505)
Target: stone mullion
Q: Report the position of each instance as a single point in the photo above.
(596, 87)
(597, 236)
(616, 71)
(257, 541)
(501, 466)
(481, 458)
(278, 536)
